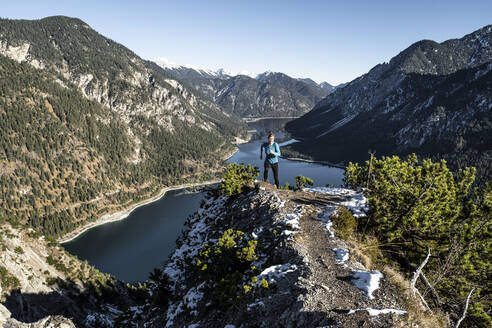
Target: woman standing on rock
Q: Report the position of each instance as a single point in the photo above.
(272, 153)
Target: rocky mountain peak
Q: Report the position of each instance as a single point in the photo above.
(268, 94)
(391, 108)
(430, 57)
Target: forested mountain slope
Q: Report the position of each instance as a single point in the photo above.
(87, 124)
(434, 99)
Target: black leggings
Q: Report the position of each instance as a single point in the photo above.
(274, 167)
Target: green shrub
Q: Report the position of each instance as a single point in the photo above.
(286, 186)
(227, 263)
(344, 222)
(51, 240)
(414, 205)
(50, 260)
(50, 281)
(19, 250)
(236, 177)
(302, 181)
(7, 280)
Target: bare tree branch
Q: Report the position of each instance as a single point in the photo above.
(436, 297)
(414, 291)
(422, 299)
(465, 309)
(417, 272)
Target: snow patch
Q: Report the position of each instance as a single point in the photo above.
(356, 202)
(255, 304)
(193, 296)
(367, 281)
(341, 255)
(375, 312)
(291, 221)
(274, 272)
(325, 217)
(173, 311)
(256, 232)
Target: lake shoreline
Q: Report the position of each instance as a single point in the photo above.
(123, 214)
(297, 159)
(256, 119)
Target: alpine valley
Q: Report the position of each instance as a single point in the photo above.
(88, 130)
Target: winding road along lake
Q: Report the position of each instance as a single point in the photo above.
(131, 248)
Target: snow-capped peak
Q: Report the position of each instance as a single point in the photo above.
(166, 63)
(264, 74)
(221, 72)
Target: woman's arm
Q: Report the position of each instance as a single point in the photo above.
(277, 152)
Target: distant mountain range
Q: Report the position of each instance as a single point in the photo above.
(434, 99)
(269, 94)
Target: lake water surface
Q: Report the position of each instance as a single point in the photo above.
(131, 248)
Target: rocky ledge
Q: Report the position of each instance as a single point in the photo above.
(41, 285)
(302, 274)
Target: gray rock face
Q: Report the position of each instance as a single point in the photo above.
(51, 285)
(426, 99)
(309, 284)
(48, 322)
(267, 95)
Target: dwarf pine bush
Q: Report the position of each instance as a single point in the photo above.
(7, 280)
(344, 222)
(418, 204)
(236, 177)
(227, 263)
(302, 181)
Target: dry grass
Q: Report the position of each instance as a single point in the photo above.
(367, 252)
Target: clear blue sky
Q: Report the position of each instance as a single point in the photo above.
(333, 41)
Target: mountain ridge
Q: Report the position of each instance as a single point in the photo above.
(112, 127)
(268, 94)
(381, 109)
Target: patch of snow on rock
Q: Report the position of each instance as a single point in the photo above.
(375, 312)
(367, 281)
(356, 201)
(291, 221)
(255, 304)
(341, 255)
(193, 296)
(276, 272)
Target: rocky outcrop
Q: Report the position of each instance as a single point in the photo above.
(313, 278)
(41, 285)
(48, 322)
